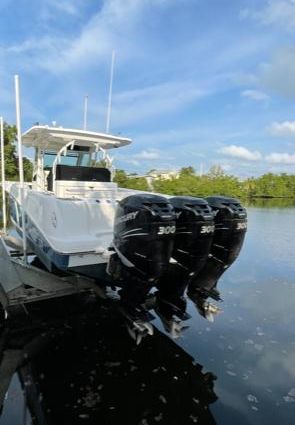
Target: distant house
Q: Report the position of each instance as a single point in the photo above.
(163, 174)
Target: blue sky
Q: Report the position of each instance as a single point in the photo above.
(196, 81)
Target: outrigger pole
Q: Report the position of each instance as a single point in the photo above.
(110, 93)
(20, 165)
(4, 217)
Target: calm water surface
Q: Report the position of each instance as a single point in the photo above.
(84, 369)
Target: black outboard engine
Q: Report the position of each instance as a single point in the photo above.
(192, 244)
(143, 235)
(194, 232)
(143, 242)
(230, 230)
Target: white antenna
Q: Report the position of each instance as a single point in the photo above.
(110, 93)
(20, 164)
(85, 112)
(4, 218)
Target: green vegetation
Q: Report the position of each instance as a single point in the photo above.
(11, 159)
(215, 182)
(131, 182)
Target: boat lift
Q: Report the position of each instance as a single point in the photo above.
(21, 281)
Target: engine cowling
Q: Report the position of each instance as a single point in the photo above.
(143, 236)
(230, 230)
(192, 243)
(194, 232)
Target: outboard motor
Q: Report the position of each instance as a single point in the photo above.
(143, 243)
(230, 230)
(194, 232)
(143, 236)
(192, 244)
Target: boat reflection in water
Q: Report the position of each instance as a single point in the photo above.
(83, 369)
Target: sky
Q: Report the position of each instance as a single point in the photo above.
(196, 82)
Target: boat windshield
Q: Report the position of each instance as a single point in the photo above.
(74, 158)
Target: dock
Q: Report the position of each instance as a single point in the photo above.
(23, 282)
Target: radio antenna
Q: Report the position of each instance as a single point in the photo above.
(110, 93)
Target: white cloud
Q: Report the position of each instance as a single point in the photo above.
(276, 12)
(255, 95)
(66, 6)
(281, 158)
(130, 161)
(285, 128)
(146, 158)
(138, 105)
(149, 154)
(113, 27)
(135, 105)
(180, 90)
(241, 152)
(37, 45)
(50, 9)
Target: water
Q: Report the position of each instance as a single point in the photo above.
(84, 368)
(251, 347)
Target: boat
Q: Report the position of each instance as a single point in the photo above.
(80, 231)
(76, 219)
(70, 203)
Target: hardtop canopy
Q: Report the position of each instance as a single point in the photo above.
(54, 138)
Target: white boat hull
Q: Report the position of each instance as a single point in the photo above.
(69, 233)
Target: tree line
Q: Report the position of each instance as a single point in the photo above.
(216, 181)
(11, 158)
